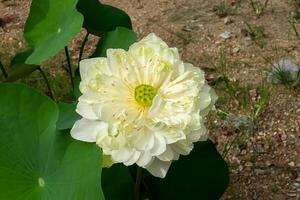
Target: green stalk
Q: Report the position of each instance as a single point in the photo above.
(69, 66)
(137, 188)
(82, 47)
(228, 146)
(265, 5)
(47, 82)
(295, 30)
(3, 70)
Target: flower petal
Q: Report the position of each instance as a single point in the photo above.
(159, 168)
(168, 155)
(159, 145)
(143, 140)
(182, 147)
(91, 67)
(133, 158)
(145, 159)
(157, 106)
(86, 111)
(208, 98)
(122, 155)
(87, 130)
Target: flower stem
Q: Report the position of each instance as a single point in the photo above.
(137, 188)
(3, 70)
(69, 66)
(82, 46)
(47, 82)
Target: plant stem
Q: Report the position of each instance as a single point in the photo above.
(228, 146)
(252, 5)
(138, 181)
(295, 30)
(265, 4)
(82, 47)
(69, 66)
(3, 70)
(47, 82)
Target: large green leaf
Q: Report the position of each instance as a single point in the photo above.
(50, 26)
(20, 71)
(21, 57)
(67, 115)
(201, 175)
(117, 183)
(100, 18)
(120, 38)
(37, 162)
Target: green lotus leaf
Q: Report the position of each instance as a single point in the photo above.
(38, 162)
(117, 183)
(121, 38)
(67, 115)
(51, 25)
(203, 174)
(100, 18)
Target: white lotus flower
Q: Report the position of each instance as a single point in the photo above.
(142, 106)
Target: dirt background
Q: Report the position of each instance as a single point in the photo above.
(264, 153)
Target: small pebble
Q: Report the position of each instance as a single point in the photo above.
(226, 35)
(268, 163)
(236, 50)
(261, 172)
(291, 164)
(228, 20)
(296, 184)
(292, 194)
(249, 164)
(186, 28)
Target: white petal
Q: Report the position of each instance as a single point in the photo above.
(143, 141)
(86, 110)
(168, 155)
(159, 145)
(157, 106)
(100, 65)
(122, 155)
(152, 39)
(87, 130)
(89, 96)
(118, 61)
(145, 159)
(198, 74)
(172, 135)
(133, 158)
(198, 134)
(84, 66)
(208, 98)
(106, 114)
(159, 168)
(182, 147)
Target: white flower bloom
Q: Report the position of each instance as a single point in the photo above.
(142, 106)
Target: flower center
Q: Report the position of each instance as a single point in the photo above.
(144, 94)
